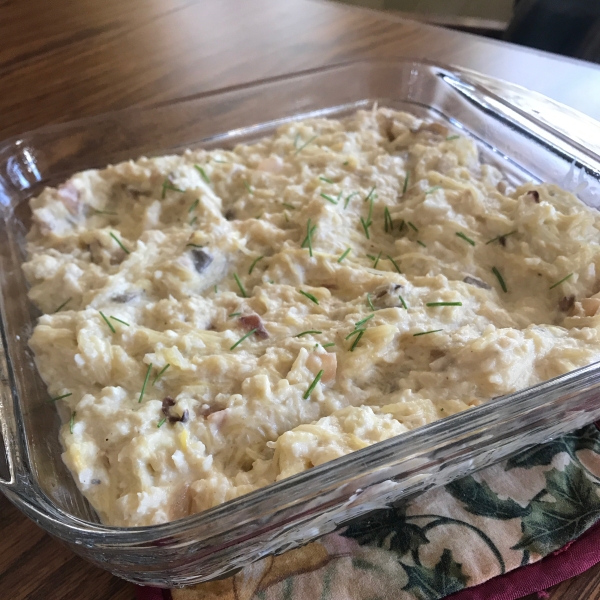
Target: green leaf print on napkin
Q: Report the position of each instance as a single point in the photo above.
(445, 578)
(566, 507)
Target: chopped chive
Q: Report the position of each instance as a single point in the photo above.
(309, 296)
(426, 332)
(328, 345)
(298, 150)
(145, 382)
(161, 422)
(461, 235)
(369, 219)
(247, 186)
(405, 187)
(110, 325)
(288, 206)
(444, 304)
(325, 179)
(242, 289)
(345, 163)
(287, 219)
(72, 421)
(328, 198)
(235, 314)
(119, 321)
(64, 304)
(105, 212)
(452, 137)
(358, 338)
(306, 239)
(366, 228)
(193, 221)
(370, 194)
(167, 185)
(194, 245)
(243, 338)
(114, 237)
(296, 140)
(254, 264)
(561, 281)
(216, 290)
(194, 204)
(403, 303)
(504, 235)
(394, 263)
(60, 397)
(401, 226)
(312, 386)
(343, 256)
(500, 279)
(421, 243)
(314, 331)
(363, 321)
(370, 256)
(354, 332)
(377, 260)
(388, 224)
(370, 303)
(435, 188)
(412, 226)
(309, 233)
(348, 198)
(202, 173)
(161, 372)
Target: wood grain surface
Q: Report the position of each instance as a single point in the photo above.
(62, 60)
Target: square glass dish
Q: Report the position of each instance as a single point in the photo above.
(527, 136)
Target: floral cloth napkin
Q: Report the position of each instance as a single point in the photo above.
(448, 540)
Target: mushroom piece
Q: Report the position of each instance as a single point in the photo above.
(535, 195)
(250, 322)
(201, 259)
(477, 282)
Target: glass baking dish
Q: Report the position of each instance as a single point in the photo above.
(526, 135)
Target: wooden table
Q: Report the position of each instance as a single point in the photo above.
(62, 60)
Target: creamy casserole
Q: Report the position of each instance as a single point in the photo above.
(217, 321)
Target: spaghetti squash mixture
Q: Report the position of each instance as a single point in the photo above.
(217, 321)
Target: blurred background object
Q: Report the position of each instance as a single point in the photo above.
(567, 27)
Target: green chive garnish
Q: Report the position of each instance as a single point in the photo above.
(365, 228)
(194, 245)
(394, 263)
(388, 224)
(328, 345)
(160, 373)
(370, 193)
(63, 304)
(194, 204)
(235, 314)
(500, 279)
(254, 264)
(461, 235)
(444, 304)
(161, 422)
(193, 221)
(312, 386)
(421, 243)
(358, 338)
(114, 237)
(288, 206)
(370, 303)
(328, 198)
(216, 290)
(167, 185)
(353, 333)
(306, 239)
(345, 163)
(426, 332)
(60, 397)
(309, 233)
(312, 139)
(412, 226)
(343, 256)
(202, 173)
(401, 226)
(435, 188)
(561, 281)
(363, 321)
(119, 321)
(296, 140)
(72, 421)
(309, 296)
(405, 184)
(145, 382)
(504, 235)
(242, 289)
(325, 179)
(403, 303)
(377, 260)
(110, 325)
(348, 198)
(452, 137)
(242, 339)
(310, 331)
(247, 186)
(105, 212)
